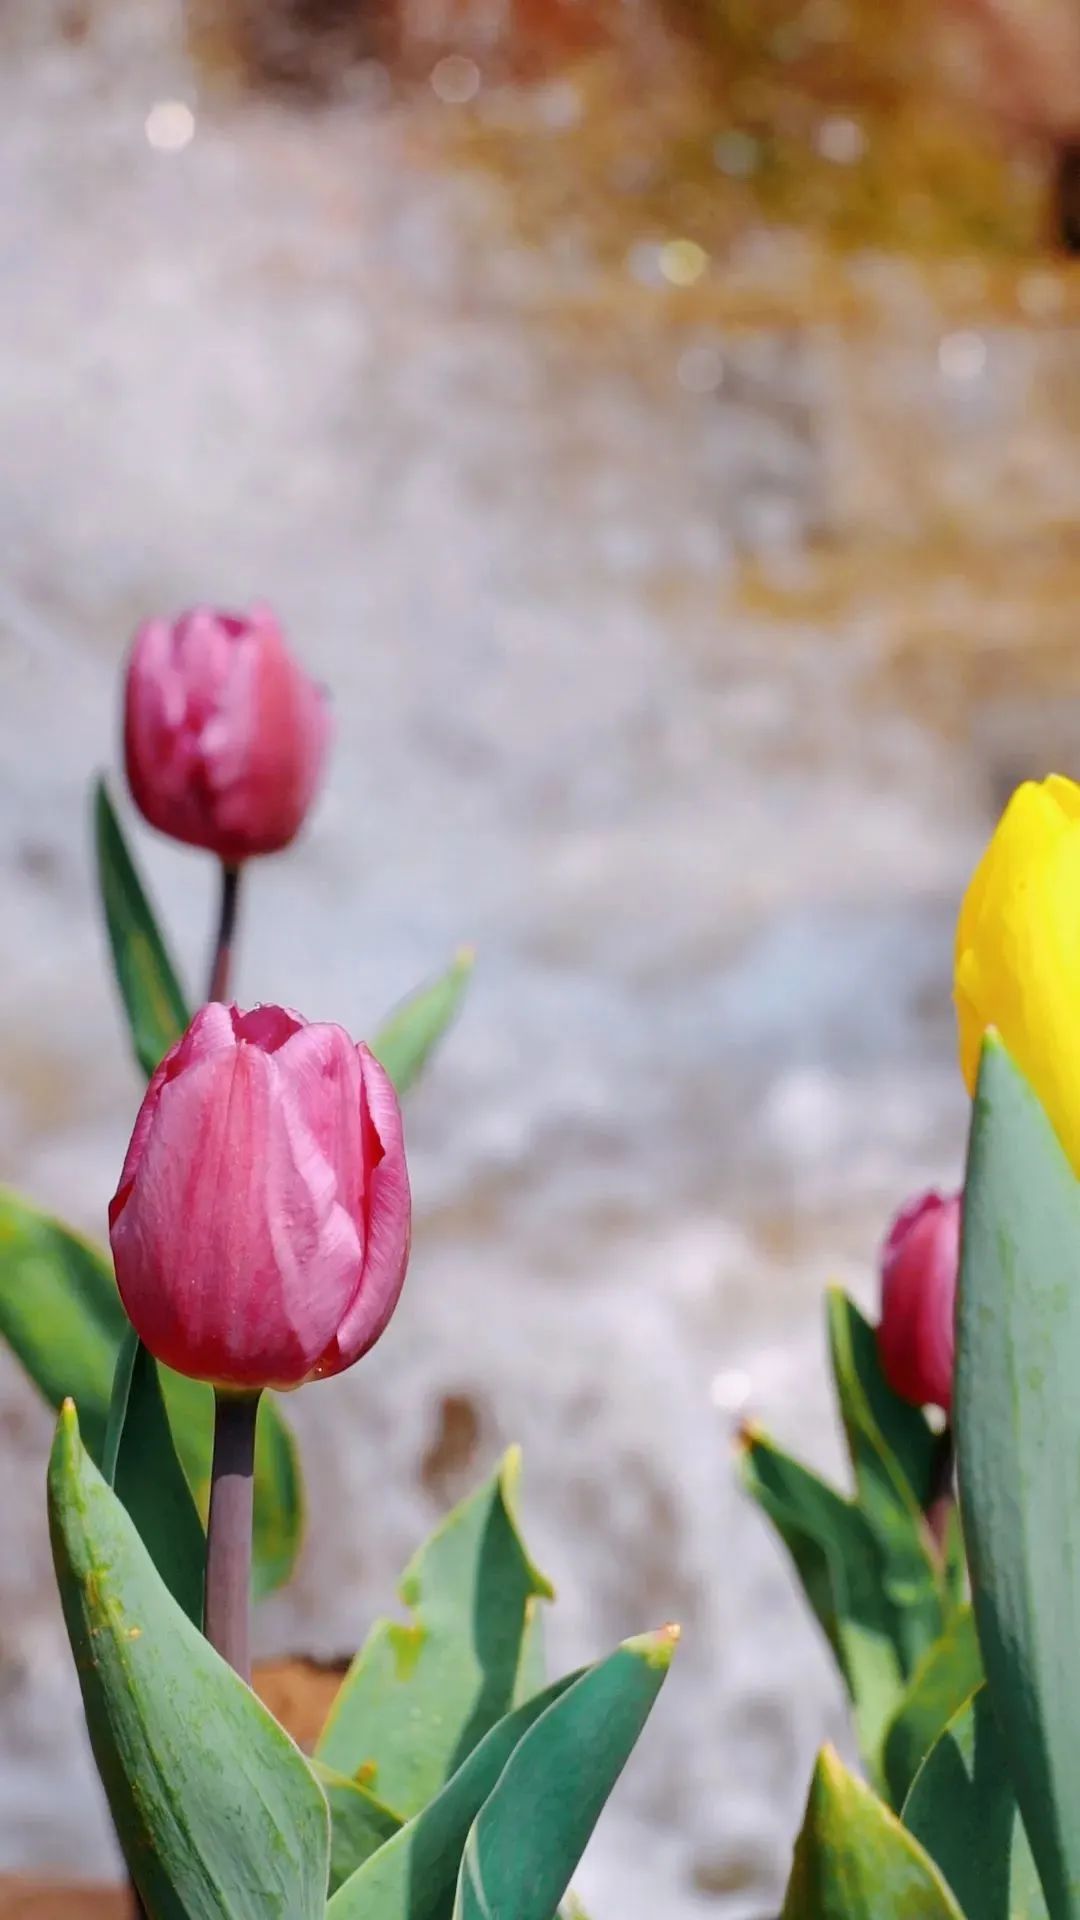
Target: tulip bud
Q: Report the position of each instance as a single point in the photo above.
(1018, 950)
(224, 735)
(261, 1226)
(919, 1264)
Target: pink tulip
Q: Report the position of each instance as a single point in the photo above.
(261, 1226)
(919, 1264)
(224, 735)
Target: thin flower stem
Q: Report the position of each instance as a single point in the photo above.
(940, 1499)
(227, 1617)
(221, 968)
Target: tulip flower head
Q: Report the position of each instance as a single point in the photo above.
(919, 1263)
(261, 1226)
(224, 735)
(1018, 950)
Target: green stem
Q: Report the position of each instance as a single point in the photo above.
(227, 1614)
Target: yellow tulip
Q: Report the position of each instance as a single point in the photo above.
(1018, 950)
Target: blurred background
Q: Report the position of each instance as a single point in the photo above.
(657, 422)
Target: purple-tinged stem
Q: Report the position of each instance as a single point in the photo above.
(940, 1499)
(227, 1612)
(221, 968)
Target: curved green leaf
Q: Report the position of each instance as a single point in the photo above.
(417, 1698)
(218, 1814)
(838, 1558)
(153, 1001)
(892, 1452)
(530, 1834)
(60, 1312)
(854, 1860)
(359, 1824)
(962, 1808)
(1018, 1433)
(406, 1041)
(414, 1876)
(61, 1315)
(947, 1676)
(141, 1463)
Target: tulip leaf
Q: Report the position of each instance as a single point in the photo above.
(893, 1452)
(141, 1463)
(153, 1001)
(838, 1559)
(1018, 1434)
(945, 1678)
(414, 1876)
(854, 1860)
(359, 1824)
(531, 1832)
(406, 1040)
(218, 1814)
(60, 1312)
(418, 1698)
(962, 1809)
(61, 1315)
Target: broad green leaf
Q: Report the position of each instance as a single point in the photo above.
(414, 1876)
(530, 1834)
(892, 1455)
(217, 1812)
(1018, 1432)
(61, 1315)
(532, 1664)
(60, 1312)
(417, 1698)
(854, 1860)
(838, 1560)
(153, 1001)
(140, 1462)
(962, 1808)
(947, 1675)
(405, 1041)
(359, 1824)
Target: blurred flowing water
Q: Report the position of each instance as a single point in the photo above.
(683, 641)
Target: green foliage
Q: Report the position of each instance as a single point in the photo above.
(61, 1314)
(360, 1825)
(892, 1452)
(1018, 1427)
(530, 1834)
(854, 1860)
(153, 1000)
(962, 1808)
(414, 1876)
(947, 1676)
(868, 1566)
(405, 1042)
(838, 1559)
(419, 1697)
(141, 1463)
(218, 1814)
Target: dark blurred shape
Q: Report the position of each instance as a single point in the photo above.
(453, 1446)
(1068, 198)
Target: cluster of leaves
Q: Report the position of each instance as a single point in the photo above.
(982, 1824)
(450, 1782)
(889, 1602)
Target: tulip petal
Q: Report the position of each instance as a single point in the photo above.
(389, 1218)
(234, 1260)
(211, 1031)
